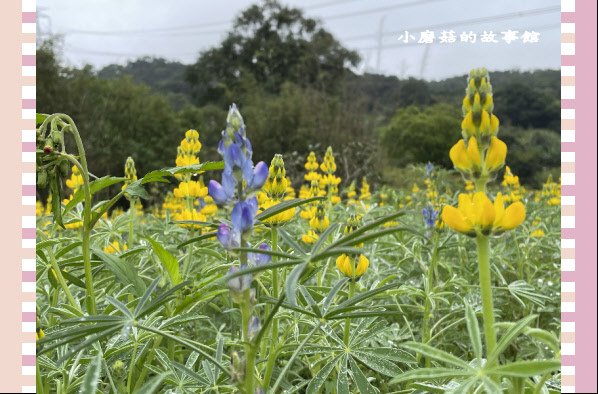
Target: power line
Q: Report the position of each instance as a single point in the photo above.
(186, 28)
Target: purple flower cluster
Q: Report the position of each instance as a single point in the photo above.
(430, 216)
(236, 151)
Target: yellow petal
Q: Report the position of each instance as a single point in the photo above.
(473, 153)
(453, 218)
(496, 155)
(484, 211)
(494, 123)
(467, 124)
(514, 215)
(362, 266)
(459, 157)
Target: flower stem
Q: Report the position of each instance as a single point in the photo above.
(272, 354)
(90, 301)
(426, 331)
(249, 346)
(132, 214)
(486, 290)
(348, 319)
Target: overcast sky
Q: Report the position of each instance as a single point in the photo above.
(100, 32)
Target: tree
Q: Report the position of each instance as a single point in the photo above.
(419, 135)
(270, 44)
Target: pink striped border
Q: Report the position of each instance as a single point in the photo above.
(567, 197)
(27, 296)
(569, 147)
(578, 232)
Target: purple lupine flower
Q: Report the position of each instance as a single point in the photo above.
(255, 176)
(430, 216)
(254, 327)
(429, 169)
(260, 258)
(240, 283)
(229, 238)
(243, 215)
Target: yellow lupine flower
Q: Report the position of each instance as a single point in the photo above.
(194, 189)
(115, 247)
(279, 218)
(312, 162)
(189, 215)
(310, 238)
(476, 213)
(414, 188)
(346, 265)
(538, 233)
(319, 224)
(466, 158)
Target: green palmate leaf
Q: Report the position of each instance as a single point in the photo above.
(136, 190)
(364, 386)
(152, 385)
(526, 369)
(124, 272)
(377, 364)
(291, 360)
(521, 290)
(92, 376)
(94, 187)
(436, 354)
(169, 262)
(389, 353)
(291, 284)
(319, 379)
(509, 336)
(431, 373)
(285, 205)
(473, 329)
(342, 383)
(162, 174)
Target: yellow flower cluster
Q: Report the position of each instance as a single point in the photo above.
(115, 247)
(326, 181)
(188, 149)
(191, 189)
(274, 191)
(511, 184)
(76, 179)
(364, 191)
(551, 192)
(190, 200)
(476, 214)
(478, 156)
(318, 224)
(352, 266)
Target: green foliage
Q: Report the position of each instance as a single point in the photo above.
(270, 44)
(417, 135)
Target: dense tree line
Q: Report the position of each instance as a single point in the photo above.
(294, 84)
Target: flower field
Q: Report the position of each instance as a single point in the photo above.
(243, 280)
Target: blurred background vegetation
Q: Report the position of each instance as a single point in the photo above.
(294, 84)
